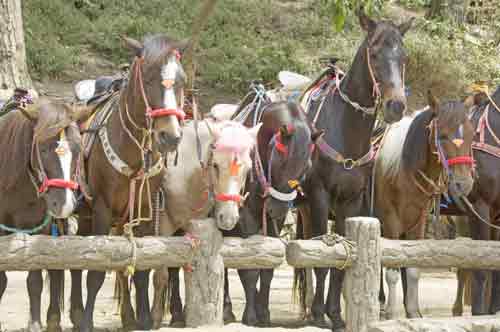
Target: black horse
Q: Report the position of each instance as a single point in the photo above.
(341, 164)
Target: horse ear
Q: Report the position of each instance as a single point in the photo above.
(317, 134)
(135, 46)
(405, 26)
(254, 131)
(183, 45)
(433, 102)
(365, 22)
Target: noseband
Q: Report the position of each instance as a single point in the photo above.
(41, 175)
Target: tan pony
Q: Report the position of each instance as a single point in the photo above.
(423, 155)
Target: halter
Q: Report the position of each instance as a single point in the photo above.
(41, 175)
(151, 113)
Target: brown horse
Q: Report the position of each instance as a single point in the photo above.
(435, 157)
(141, 123)
(41, 145)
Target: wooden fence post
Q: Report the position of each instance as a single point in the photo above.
(205, 283)
(362, 279)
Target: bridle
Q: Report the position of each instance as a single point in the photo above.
(446, 173)
(277, 146)
(40, 180)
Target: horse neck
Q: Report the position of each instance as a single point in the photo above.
(494, 114)
(349, 130)
(122, 143)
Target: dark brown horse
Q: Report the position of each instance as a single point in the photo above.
(142, 124)
(434, 158)
(484, 212)
(40, 147)
(341, 170)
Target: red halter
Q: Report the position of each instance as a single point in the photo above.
(57, 183)
(462, 160)
(228, 198)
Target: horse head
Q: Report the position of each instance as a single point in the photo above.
(386, 58)
(229, 165)
(54, 154)
(155, 90)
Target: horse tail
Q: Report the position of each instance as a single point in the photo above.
(299, 288)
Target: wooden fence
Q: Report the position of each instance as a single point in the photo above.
(362, 256)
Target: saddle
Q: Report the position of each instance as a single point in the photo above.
(19, 99)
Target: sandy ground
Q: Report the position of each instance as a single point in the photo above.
(437, 296)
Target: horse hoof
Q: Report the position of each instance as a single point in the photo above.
(338, 325)
(250, 318)
(76, 317)
(177, 324)
(34, 327)
(457, 312)
(145, 325)
(54, 324)
(229, 317)
(264, 318)
(318, 321)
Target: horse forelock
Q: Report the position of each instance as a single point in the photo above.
(158, 48)
(52, 119)
(234, 137)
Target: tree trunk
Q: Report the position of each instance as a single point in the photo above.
(435, 10)
(13, 68)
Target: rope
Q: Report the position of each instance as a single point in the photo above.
(332, 239)
(46, 220)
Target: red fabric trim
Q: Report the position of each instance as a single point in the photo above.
(462, 160)
(160, 112)
(228, 198)
(280, 146)
(57, 183)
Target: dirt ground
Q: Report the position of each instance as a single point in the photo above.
(437, 291)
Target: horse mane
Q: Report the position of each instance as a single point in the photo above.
(16, 136)
(158, 48)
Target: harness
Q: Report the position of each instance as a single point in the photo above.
(336, 75)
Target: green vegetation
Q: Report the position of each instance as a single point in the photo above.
(245, 40)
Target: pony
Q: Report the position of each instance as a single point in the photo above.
(341, 164)
(41, 146)
(196, 191)
(284, 145)
(482, 206)
(434, 158)
(136, 128)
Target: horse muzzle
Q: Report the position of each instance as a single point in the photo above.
(168, 142)
(394, 110)
(459, 187)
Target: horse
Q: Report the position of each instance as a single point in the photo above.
(197, 190)
(41, 146)
(137, 127)
(435, 157)
(341, 164)
(482, 206)
(284, 144)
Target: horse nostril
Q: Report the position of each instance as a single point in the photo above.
(396, 106)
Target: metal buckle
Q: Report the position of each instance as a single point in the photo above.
(349, 164)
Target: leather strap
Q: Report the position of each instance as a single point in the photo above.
(348, 163)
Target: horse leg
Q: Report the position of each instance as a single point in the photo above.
(458, 306)
(479, 231)
(345, 209)
(3, 285)
(141, 282)
(319, 199)
(249, 280)
(56, 300)
(228, 314)
(391, 277)
(263, 314)
(100, 224)
(412, 275)
(495, 284)
(160, 282)
(176, 310)
(35, 286)
(76, 299)
(381, 293)
(127, 314)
